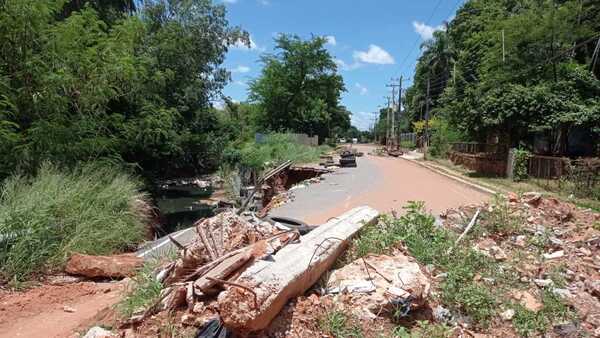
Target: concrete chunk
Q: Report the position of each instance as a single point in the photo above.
(293, 270)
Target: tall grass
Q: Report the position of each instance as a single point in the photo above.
(278, 148)
(93, 209)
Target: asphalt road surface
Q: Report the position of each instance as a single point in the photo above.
(384, 183)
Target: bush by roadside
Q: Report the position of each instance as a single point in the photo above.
(275, 148)
(93, 209)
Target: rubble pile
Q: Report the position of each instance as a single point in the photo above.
(225, 245)
(240, 272)
(380, 284)
(552, 245)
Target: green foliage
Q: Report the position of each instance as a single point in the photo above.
(510, 69)
(429, 244)
(144, 292)
(93, 209)
(500, 220)
(528, 323)
(442, 138)
(339, 325)
(423, 329)
(84, 80)
(275, 149)
(521, 164)
(299, 88)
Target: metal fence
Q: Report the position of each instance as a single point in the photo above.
(549, 167)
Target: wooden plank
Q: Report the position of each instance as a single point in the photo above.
(204, 284)
(293, 270)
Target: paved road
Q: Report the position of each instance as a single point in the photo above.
(385, 183)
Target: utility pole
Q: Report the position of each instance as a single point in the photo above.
(399, 107)
(387, 127)
(427, 118)
(394, 110)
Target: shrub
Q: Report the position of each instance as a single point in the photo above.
(521, 159)
(93, 210)
(277, 148)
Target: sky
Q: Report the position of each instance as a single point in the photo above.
(371, 41)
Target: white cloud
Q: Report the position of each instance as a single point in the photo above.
(362, 120)
(425, 31)
(344, 66)
(374, 54)
(331, 40)
(264, 2)
(242, 46)
(361, 89)
(241, 83)
(229, 1)
(241, 69)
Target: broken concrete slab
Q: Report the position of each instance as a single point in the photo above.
(265, 287)
(117, 266)
(395, 279)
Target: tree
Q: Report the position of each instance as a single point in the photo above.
(77, 84)
(515, 69)
(299, 88)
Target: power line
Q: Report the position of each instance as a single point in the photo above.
(416, 43)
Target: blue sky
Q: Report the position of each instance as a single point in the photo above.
(372, 41)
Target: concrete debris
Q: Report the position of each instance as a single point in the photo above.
(489, 248)
(117, 266)
(532, 198)
(262, 290)
(395, 280)
(69, 309)
(98, 332)
(508, 314)
(567, 236)
(528, 300)
(441, 314)
(543, 282)
(353, 286)
(554, 255)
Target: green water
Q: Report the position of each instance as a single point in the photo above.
(182, 205)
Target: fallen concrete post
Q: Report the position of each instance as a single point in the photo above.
(293, 270)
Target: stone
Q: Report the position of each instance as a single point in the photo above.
(521, 241)
(508, 314)
(441, 314)
(68, 309)
(98, 332)
(554, 255)
(543, 282)
(529, 301)
(532, 198)
(585, 251)
(199, 307)
(117, 266)
(512, 197)
(489, 248)
(593, 287)
(567, 329)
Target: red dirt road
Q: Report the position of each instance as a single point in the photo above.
(40, 312)
(390, 184)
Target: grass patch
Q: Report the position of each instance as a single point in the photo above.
(277, 148)
(500, 220)
(528, 323)
(423, 329)
(43, 219)
(340, 325)
(144, 291)
(430, 244)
